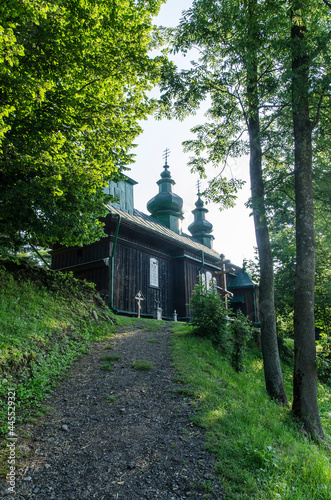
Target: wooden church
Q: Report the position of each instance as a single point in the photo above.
(148, 260)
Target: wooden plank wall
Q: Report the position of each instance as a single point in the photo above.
(66, 257)
(250, 306)
(100, 275)
(132, 274)
(178, 270)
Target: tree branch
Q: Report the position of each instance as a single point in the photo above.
(318, 112)
(87, 84)
(277, 183)
(273, 118)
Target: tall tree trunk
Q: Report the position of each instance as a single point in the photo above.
(305, 373)
(271, 361)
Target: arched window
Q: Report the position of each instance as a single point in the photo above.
(209, 278)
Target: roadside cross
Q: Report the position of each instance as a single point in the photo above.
(225, 293)
(139, 297)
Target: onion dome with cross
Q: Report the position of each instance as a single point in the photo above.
(201, 228)
(167, 206)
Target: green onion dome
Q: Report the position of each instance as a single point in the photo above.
(166, 203)
(200, 227)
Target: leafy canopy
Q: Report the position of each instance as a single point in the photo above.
(74, 76)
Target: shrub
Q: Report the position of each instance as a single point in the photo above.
(142, 366)
(209, 316)
(286, 348)
(324, 358)
(240, 329)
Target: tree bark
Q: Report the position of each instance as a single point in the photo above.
(305, 373)
(271, 360)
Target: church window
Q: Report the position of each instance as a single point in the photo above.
(209, 278)
(154, 272)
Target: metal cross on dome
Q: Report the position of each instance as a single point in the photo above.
(166, 154)
(198, 186)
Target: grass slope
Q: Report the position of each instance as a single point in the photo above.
(47, 320)
(260, 450)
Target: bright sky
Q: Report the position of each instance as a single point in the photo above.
(233, 228)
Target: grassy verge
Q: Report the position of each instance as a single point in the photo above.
(47, 320)
(260, 450)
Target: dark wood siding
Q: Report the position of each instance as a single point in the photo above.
(132, 274)
(191, 280)
(246, 300)
(90, 262)
(178, 268)
(179, 288)
(100, 276)
(186, 277)
(63, 257)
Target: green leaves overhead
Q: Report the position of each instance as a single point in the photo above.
(217, 37)
(215, 34)
(74, 77)
(263, 67)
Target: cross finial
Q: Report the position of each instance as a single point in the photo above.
(198, 186)
(166, 153)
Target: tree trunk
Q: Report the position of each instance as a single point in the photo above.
(305, 373)
(272, 367)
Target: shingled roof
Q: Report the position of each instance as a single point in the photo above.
(146, 222)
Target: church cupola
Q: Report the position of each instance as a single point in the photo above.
(201, 228)
(166, 206)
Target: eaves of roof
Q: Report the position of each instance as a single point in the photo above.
(146, 222)
(241, 280)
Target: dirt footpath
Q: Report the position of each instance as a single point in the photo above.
(120, 434)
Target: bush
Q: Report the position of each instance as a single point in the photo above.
(209, 316)
(240, 329)
(324, 358)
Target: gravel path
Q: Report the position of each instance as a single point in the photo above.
(120, 434)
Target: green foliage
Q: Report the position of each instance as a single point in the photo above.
(230, 36)
(111, 357)
(108, 367)
(111, 399)
(286, 348)
(281, 220)
(239, 331)
(324, 358)
(242, 61)
(142, 366)
(32, 255)
(261, 452)
(208, 312)
(74, 81)
(46, 322)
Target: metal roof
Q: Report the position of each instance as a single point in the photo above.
(146, 222)
(241, 280)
